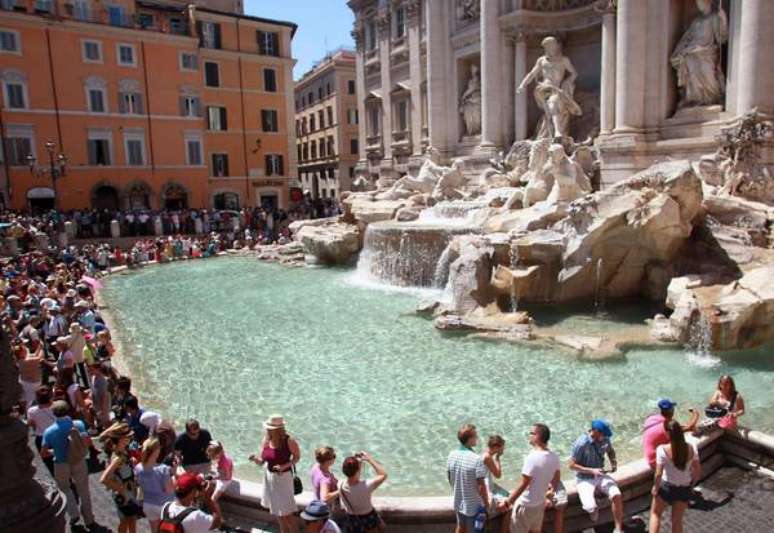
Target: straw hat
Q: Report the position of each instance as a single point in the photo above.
(274, 422)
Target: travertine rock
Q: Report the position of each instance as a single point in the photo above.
(331, 244)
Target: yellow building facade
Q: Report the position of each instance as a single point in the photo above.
(160, 105)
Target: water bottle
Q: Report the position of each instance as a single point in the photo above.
(479, 525)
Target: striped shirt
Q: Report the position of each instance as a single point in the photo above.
(591, 454)
(465, 468)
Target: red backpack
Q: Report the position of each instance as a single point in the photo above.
(173, 525)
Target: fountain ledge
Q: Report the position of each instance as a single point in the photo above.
(748, 449)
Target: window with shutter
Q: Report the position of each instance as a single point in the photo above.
(194, 151)
(17, 149)
(8, 42)
(211, 74)
(269, 121)
(96, 101)
(270, 80)
(223, 119)
(14, 93)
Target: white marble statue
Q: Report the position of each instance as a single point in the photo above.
(451, 183)
(696, 58)
(470, 103)
(554, 91)
(429, 174)
(570, 182)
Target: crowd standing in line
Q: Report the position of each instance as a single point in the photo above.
(70, 393)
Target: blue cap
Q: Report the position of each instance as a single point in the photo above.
(665, 404)
(316, 510)
(602, 426)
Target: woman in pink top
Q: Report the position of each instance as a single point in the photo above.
(224, 467)
(279, 454)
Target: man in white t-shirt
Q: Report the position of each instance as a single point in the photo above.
(190, 489)
(541, 469)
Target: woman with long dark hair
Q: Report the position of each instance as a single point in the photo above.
(726, 397)
(677, 469)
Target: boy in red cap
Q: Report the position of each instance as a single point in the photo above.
(190, 489)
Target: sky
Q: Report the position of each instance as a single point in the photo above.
(323, 25)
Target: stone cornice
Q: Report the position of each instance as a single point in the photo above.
(544, 23)
(606, 7)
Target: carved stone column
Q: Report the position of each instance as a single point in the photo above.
(440, 101)
(520, 100)
(25, 504)
(492, 86)
(414, 16)
(756, 41)
(383, 27)
(607, 83)
(358, 36)
(631, 42)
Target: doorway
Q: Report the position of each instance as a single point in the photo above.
(105, 198)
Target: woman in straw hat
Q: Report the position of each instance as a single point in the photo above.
(119, 476)
(279, 454)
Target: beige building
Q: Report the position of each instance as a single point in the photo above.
(327, 126)
(445, 73)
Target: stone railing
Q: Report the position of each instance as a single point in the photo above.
(748, 449)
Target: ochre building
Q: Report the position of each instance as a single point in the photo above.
(327, 126)
(152, 104)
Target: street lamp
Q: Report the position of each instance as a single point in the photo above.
(57, 167)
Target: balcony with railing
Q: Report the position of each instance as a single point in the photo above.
(374, 146)
(401, 142)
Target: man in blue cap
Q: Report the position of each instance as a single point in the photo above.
(316, 520)
(654, 429)
(588, 461)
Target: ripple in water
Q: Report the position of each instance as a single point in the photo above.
(233, 340)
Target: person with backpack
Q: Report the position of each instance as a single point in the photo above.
(67, 441)
(183, 514)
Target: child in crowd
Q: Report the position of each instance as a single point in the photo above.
(224, 467)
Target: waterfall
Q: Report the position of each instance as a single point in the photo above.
(405, 255)
(514, 257)
(441, 274)
(699, 346)
(598, 296)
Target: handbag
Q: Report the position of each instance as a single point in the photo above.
(298, 487)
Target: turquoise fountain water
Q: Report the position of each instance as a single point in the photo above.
(232, 340)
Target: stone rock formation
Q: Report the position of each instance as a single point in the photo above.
(610, 240)
(331, 243)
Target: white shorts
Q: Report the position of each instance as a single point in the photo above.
(587, 489)
(220, 488)
(152, 512)
(28, 391)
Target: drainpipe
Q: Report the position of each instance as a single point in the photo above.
(148, 110)
(242, 112)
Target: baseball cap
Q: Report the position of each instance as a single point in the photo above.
(666, 403)
(189, 481)
(602, 426)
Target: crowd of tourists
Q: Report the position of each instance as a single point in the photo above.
(674, 461)
(71, 393)
(265, 224)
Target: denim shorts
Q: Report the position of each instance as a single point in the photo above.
(674, 493)
(468, 522)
